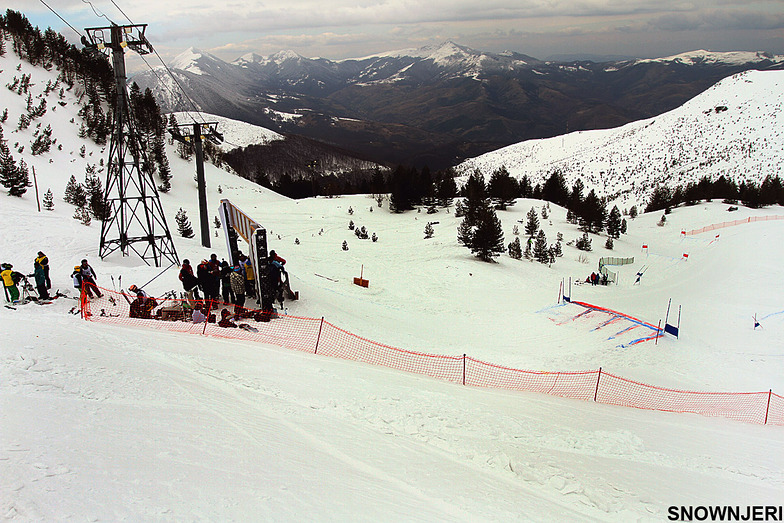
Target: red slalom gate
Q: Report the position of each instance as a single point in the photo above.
(321, 337)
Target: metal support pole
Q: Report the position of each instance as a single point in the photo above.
(464, 369)
(596, 392)
(203, 223)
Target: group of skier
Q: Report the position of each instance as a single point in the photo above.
(13, 279)
(215, 279)
(220, 280)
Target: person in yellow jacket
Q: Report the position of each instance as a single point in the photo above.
(250, 278)
(10, 279)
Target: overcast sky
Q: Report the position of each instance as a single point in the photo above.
(338, 29)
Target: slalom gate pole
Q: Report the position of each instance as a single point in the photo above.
(667, 316)
(160, 273)
(767, 409)
(658, 331)
(318, 338)
(679, 322)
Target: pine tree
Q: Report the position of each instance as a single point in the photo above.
(502, 188)
(609, 243)
(583, 243)
(532, 223)
(184, 224)
(82, 215)
(488, 235)
(515, 249)
(345, 245)
(95, 197)
(217, 223)
(428, 230)
(540, 248)
(75, 193)
(623, 226)
(16, 179)
(48, 200)
(614, 223)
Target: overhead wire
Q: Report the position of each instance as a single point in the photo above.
(61, 18)
(152, 69)
(173, 77)
(96, 12)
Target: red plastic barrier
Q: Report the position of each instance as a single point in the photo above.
(722, 225)
(321, 337)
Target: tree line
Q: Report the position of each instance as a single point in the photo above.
(749, 193)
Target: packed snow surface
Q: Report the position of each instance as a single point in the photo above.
(100, 422)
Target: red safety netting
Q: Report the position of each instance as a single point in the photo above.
(578, 385)
(321, 337)
(722, 225)
(749, 407)
(339, 343)
(775, 410)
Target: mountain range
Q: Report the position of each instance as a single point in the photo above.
(441, 104)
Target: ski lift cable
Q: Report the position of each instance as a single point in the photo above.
(61, 18)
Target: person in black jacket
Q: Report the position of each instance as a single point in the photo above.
(189, 281)
(225, 279)
(207, 282)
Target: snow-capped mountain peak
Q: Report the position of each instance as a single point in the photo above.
(193, 60)
(703, 56)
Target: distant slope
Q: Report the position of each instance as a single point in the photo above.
(733, 129)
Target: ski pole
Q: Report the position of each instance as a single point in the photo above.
(159, 274)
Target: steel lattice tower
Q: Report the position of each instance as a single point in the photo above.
(136, 221)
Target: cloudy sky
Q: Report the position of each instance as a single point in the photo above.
(339, 29)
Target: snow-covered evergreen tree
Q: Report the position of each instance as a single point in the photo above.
(428, 230)
(75, 193)
(95, 196)
(515, 249)
(15, 178)
(48, 202)
(583, 243)
(532, 223)
(487, 240)
(540, 248)
(184, 226)
(609, 243)
(614, 223)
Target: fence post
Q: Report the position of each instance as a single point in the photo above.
(464, 368)
(767, 409)
(318, 338)
(596, 392)
(207, 319)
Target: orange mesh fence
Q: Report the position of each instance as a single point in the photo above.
(578, 385)
(749, 407)
(339, 343)
(722, 225)
(321, 337)
(775, 410)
